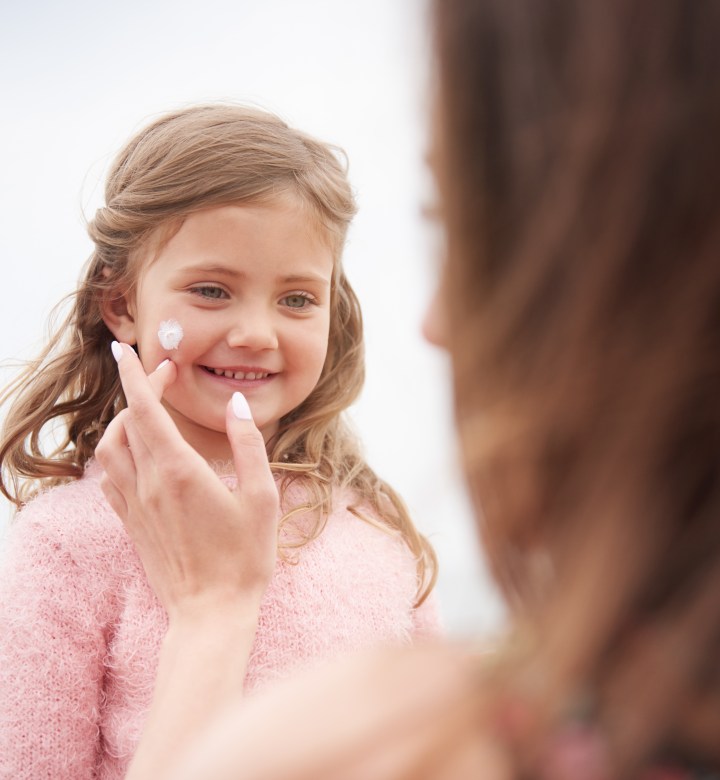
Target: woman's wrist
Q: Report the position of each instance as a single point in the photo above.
(215, 611)
(202, 666)
(219, 632)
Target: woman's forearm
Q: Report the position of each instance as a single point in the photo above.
(201, 668)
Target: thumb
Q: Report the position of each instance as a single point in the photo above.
(162, 377)
(248, 447)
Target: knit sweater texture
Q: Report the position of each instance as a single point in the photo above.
(81, 629)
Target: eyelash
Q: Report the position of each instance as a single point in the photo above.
(304, 295)
(201, 291)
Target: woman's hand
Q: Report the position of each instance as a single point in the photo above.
(202, 544)
(208, 552)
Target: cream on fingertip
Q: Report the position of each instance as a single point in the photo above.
(240, 407)
(117, 350)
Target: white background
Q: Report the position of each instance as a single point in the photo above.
(78, 78)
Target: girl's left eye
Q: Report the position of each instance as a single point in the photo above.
(209, 291)
(298, 300)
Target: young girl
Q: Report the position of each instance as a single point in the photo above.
(219, 247)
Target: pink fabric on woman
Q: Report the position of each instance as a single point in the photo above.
(80, 628)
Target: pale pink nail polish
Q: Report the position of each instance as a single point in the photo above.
(117, 350)
(240, 407)
(160, 365)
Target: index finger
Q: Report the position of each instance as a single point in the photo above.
(143, 393)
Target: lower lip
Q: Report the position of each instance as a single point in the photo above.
(237, 384)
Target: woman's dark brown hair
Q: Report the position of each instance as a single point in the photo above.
(578, 166)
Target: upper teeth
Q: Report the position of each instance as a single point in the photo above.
(239, 374)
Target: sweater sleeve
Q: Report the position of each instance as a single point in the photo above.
(52, 649)
(427, 620)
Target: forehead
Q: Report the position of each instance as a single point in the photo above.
(284, 227)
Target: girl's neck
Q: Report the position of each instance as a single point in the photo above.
(213, 445)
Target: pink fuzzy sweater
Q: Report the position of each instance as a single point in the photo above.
(80, 628)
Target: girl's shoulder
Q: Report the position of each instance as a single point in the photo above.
(74, 515)
(350, 519)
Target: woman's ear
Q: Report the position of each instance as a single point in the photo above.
(119, 316)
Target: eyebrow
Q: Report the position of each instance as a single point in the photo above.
(308, 277)
(223, 270)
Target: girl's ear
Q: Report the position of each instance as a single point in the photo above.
(118, 314)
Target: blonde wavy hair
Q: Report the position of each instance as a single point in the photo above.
(192, 159)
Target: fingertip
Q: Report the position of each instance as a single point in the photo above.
(167, 369)
(117, 350)
(247, 443)
(163, 376)
(240, 407)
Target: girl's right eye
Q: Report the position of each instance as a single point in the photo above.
(209, 291)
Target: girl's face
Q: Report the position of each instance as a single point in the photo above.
(250, 286)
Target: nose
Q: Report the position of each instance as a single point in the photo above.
(434, 323)
(254, 330)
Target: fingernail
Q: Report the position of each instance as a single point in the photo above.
(117, 350)
(240, 407)
(160, 365)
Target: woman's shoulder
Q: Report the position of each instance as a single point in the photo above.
(377, 715)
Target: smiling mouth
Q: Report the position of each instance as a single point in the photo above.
(247, 375)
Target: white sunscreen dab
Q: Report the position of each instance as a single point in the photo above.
(170, 334)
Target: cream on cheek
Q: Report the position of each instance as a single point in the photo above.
(170, 334)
